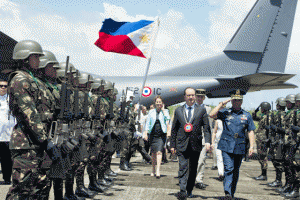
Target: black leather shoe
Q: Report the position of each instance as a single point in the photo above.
(97, 188)
(292, 195)
(5, 183)
(190, 195)
(261, 178)
(214, 168)
(84, 192)
(275, 183)
(221, 178)
(108, 178)
(109, 172)
(104, 183)
(284, 189)
(199, 185)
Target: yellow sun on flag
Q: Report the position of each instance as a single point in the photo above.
(144, 38)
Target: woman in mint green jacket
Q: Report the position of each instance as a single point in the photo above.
(158, 128)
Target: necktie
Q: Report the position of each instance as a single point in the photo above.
(189, 114)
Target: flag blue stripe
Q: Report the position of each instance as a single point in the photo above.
(114, 28)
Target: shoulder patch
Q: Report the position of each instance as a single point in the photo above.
(25, 85)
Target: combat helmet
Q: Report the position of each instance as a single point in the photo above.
(48, 58)
(116, 91)
(291, 98)
(297, 98)
(61, 70)
(71, 67)
(25, 48)
(85, 78)
(108, 86)
(97, 83)
(281, 101)
(265, 106)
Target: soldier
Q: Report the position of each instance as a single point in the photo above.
(262, 135)
(32, 105)
(129, 125)
(109, 136)
(276, 148)
(288, 144)
(96, 147)
(294, 136)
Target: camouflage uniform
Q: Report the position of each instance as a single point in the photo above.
(32, 104)
(260, 135)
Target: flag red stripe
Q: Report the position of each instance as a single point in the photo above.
(118, 44)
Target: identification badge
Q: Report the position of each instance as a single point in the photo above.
(188, 127)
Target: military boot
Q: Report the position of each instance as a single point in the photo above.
(145, 155)
(69, 195)
(263, 176)
(294, 193)
(287, 188)
(58, 188)
(82, 191)
(94, 185)
(101, 181)
(277, 182)
(111, 173)
(123, 165)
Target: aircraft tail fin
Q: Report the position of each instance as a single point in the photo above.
(266, 31)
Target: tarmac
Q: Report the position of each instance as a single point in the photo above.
(138, 184)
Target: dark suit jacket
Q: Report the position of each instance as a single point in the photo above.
(180, 139)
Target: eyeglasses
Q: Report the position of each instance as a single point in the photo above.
(1, 86)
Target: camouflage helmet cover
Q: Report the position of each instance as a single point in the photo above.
(97, 83)
(108, 86)
(84, 78)
(25, 48)
(291, 98)
(48, 58)
(281, 101)
(297, 97)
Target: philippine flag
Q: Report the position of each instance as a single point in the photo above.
(132, 38)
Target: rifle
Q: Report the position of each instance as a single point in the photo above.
(96, 124)
(295, 129)
(268, 141)
(59, 129)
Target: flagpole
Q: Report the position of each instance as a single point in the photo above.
(148, 64)
(147, 70)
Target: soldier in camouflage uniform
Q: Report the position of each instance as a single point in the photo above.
(261, 137)
(96, 147)
(276, 148)
(129, 128)
(289, 144)
(32, 105)
(294, 136)
(109, 136)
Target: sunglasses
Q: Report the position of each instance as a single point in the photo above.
(1, 86)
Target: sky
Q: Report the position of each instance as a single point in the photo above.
(189, 30)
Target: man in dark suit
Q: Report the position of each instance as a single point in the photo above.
(186, 139)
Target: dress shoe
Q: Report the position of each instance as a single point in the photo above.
(84, 192)
(107, 178)
(275, 183)
(221, 178)
(214, 168)
(5, 183)
(261, 178)
(199, 185)
(190, 195)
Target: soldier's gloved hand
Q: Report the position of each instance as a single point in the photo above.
(295, 129)
(53, 151)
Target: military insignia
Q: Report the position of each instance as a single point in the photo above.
(25, 85)
(188, 127)
(244, 117)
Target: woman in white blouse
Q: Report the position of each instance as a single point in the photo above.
(217, 132)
